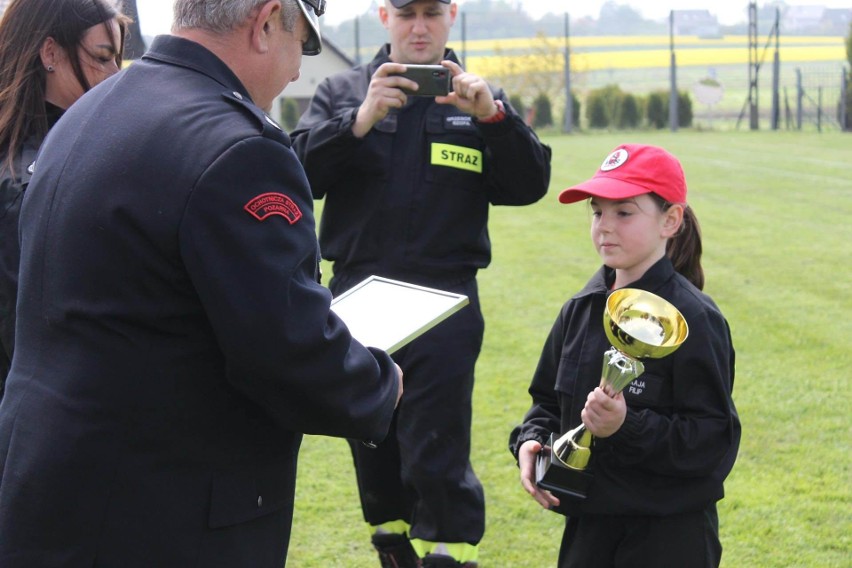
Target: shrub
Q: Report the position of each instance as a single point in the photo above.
(518, 104)
(543, 111)
(629, 115)
(848, 125)
(602, 106)
(575, 109)
(289, 113)
(684, 109)
(657, 111)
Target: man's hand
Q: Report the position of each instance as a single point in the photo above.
(526, 460)
(470, 93)
(383, 94)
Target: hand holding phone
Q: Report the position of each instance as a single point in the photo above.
(432, 80)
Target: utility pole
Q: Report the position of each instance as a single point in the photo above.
(776, 72)
(568, 121)
(753, 66)
(673, 92)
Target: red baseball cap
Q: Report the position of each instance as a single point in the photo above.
(631, 170)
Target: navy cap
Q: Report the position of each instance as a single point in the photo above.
(312, 9)
(403, 3)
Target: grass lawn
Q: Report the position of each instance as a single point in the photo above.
(776, 213)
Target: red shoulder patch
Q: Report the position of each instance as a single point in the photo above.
(267, 204)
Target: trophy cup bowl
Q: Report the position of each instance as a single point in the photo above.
(643, 325)
(639, 325)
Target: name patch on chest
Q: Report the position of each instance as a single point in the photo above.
(458, 157)
(267, 204)
(459, 122)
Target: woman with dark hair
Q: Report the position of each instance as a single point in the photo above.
(51, 52)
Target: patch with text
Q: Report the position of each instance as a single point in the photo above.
(458, 157)
(267, 204)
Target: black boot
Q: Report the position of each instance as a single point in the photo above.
(395, 551)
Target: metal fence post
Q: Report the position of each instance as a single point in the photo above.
(800, 93)
(844, 101)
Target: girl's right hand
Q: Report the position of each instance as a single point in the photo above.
(526, 461)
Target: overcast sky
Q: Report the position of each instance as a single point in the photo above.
(155, 16)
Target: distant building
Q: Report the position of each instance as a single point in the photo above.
(803, 18)
(816, 20)
(699, 23)
(314, 69)
(837, 19)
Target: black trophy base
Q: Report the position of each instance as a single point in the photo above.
(554, 476)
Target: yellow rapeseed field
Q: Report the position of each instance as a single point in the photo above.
(495, 57)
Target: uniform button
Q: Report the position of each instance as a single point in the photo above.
(239, 96)
(259, 501)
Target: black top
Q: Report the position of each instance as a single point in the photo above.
(172, 340)
(13, 184)
(681, 434)
(410, 200)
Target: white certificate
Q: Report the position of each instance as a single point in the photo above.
(387, 314)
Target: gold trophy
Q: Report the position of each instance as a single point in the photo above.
(639, 325)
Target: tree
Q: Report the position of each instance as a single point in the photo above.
(134, 43)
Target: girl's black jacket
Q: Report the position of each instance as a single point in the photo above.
(681, 435)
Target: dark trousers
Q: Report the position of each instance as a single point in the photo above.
(421, 473)
(687, 540)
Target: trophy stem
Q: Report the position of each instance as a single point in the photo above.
(574, 449)
(619, 370)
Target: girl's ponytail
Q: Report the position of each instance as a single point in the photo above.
(684, 249)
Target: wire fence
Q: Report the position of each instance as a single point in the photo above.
(808, 94)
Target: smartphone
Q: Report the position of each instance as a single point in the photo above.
(433, 80)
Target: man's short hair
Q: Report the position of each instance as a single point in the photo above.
(221, 16)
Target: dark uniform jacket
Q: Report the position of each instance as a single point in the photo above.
(681, 434)
(411, 198)
(172, 339)
(13, 184)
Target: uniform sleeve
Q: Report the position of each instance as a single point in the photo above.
(249, 244)
(323, 140)
(519, 163)
(543, 417)
(701, 436)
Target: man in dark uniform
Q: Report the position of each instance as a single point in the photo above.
(172, 338)
(407, 183)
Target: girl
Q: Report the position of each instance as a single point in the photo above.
(663, 447)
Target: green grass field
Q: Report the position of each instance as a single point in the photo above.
(776, 213)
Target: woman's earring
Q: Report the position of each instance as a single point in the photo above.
(50, 68)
